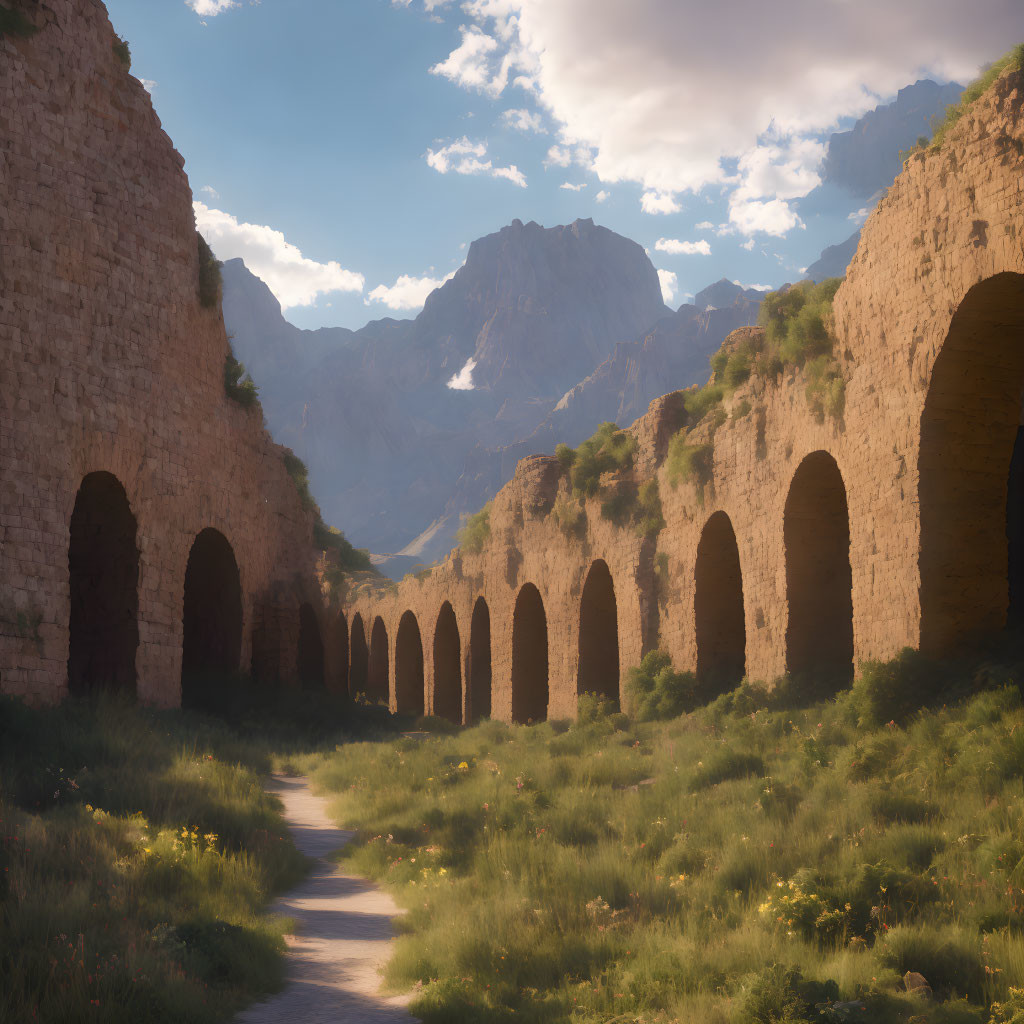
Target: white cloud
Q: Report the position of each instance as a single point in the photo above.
(602, 196)
(465, 157)
(524, 120)
(771, 217)
(659, 202)
(676, 248)
(615, 78)
(754, 287)
(570, 187)
(210, 191)
(211, 8)
(463, 380)
(148, 84)
(669, 283)
(407, 292)
(748, 245)
(563, 156)
(704, 225)
(294, 279)
(860, 215)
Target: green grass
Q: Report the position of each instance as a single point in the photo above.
(752, 861)
(475, 530)
(138, 851)
(238, 384)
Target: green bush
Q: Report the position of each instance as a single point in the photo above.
(688, 463)
(779, 995)
(1010, 1010)
(650, 520)
(893, 690)
(349, 558)
(657, 692)
(1014, 60)
(948, 958)
(300, 477)
(123, 52)
(238, 385)
(565, 455)
(209, 275)
(826, 389)
(14, 23)
(698, 403)
(607, 450)
(475, 530)
(570, 516)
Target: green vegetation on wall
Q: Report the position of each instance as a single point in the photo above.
(238, 385)
(123, 52)
(14, 23)
(209, 275)
(475, 530)
(607, 450)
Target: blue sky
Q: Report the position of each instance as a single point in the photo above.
(341, 145)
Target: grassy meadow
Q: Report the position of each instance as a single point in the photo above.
(753, 861)
(137, 853)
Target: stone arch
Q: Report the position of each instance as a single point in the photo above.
(211, 640)
(819, 581)
(379, 666)
(103, 566)
(447, 666)
(310, 655)
(598, 670)
(719, 622)
(359, 658)
(529, 657)
(478, 668)
(409, 666)
(971, 472)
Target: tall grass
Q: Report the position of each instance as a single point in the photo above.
(741, 863)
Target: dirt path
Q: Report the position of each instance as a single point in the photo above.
(344, 934)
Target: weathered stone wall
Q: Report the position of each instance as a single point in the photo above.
(953, 219)
(109, 363)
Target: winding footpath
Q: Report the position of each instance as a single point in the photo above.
(344, 930)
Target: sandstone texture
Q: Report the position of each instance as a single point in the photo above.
(110, 365)
(884, 528)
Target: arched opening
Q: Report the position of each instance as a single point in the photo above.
(341, 644)
(358, 673)
(447, 666)
(311, 650)
(819, 582)
(409, 666)
(103, 563)
(529, 657)
(718, 608)
(478, 671)
(211, 642)
(599, 635)
(971, 486)
(380, 663)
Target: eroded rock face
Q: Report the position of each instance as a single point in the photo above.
(902, 498)
(113, 375)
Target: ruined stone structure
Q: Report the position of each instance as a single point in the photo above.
(146, 520)
(816, 545)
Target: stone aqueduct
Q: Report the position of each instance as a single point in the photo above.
(148, 528)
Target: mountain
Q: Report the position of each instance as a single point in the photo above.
(532, 312)
(866, 159)
(834, 260)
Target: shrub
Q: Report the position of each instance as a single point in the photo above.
(329, 538)
(475, 530)
(700, 402)
(1010, 1010)
(1014, 60)
(779, 995)
(725, 765)
(689, 462)
(649, 518)
(826, 389)
(893, 690)
(949, 958)
(300, 477)
(14, 23)
(594, 707)
(565, 455)
(123, 52)
(609, 449)
(238, 385)
(656, 691)
(570, 516)
(209, 275)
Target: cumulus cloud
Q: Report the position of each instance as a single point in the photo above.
(748, 245)
(659, 202)
(643, 89)
(407, 292)
(465, 157)
(769, 217)
(602, 196)
(754, 287)
(570, 187)
(294, 279)
(463, 380)
(704, 225)
(523, 120)
(148, 84)
(211, 8)
(669, 284)
(674, 247)
(210, 191)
